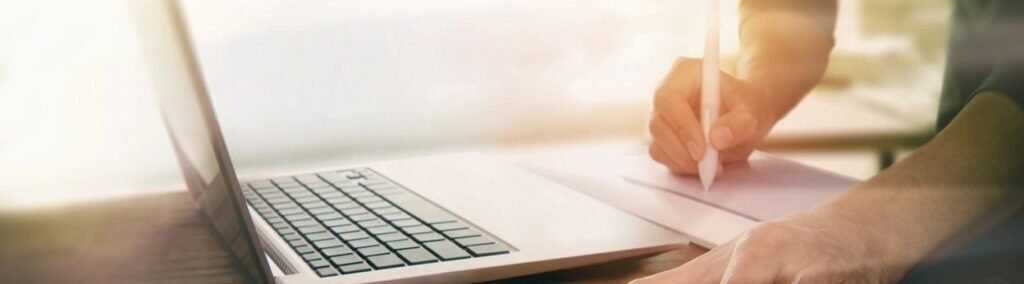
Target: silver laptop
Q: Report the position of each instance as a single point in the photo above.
(455, 218)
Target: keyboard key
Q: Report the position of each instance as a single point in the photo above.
(370, 199)
(353, 236)
(374, 250)
(328, 216)
(488, 249)
(372, 223)
(417, 256)
(449, 226)
(361, 194)
(336, 251)
(321, 210)
(354, 211)
(306, 199)
(385, 261)
(362, 217)
(290, 211)
(297, 217)
(351, 189)
(287, 232)
(305, 223)
(303, 249)
(278, 200)
(362, 243)
(346, 259)
(416, 230)
(291, 236)
(338, 200)
(328, 243)
(472, 241)
(396, 217)
(279, 226)
(381, 230)
(314, 205)
(310, 256)
(428, 237)
(406, 223)
(378, 204)
(323, 189)
(447, 250)
(333, 195)
(345, 229)
(461, 233)
(313, 229)
(354, 268)
(319, 263)
(347, 205)
(320, 236)
(326, 272)
(420, 208)
(337, 222)
(405, 244)
(391, 237)
(387, 210)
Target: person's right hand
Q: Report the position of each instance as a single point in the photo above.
(746, 117)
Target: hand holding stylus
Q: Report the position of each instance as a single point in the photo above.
(679, 141)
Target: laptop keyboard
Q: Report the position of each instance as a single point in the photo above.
(354, 221)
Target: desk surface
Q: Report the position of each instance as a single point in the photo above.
(162, 239)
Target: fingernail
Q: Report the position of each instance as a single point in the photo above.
(694, 150)
(722, 136)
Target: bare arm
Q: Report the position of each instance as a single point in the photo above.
(784, 52)
(969, 178)
(784, 47)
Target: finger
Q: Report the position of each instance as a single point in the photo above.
(677, 101)
(736, 154)
(734, 128)
(659, 155)
(681, 151)
(707, 268)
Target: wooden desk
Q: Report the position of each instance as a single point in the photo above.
(162, 239)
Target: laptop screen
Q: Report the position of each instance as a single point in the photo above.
(192, 126)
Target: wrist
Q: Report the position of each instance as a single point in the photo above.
(881, 246)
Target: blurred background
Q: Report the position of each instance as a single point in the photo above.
(320, 83)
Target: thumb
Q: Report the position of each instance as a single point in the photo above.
(734, 128)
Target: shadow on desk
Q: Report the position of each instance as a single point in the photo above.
(163, 239)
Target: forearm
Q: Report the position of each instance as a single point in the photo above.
(784, 47)
(967, 179)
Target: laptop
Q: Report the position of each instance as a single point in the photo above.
(451, 218)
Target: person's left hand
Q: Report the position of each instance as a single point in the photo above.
(803, 248)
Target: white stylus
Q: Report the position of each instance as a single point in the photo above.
(707, 168)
